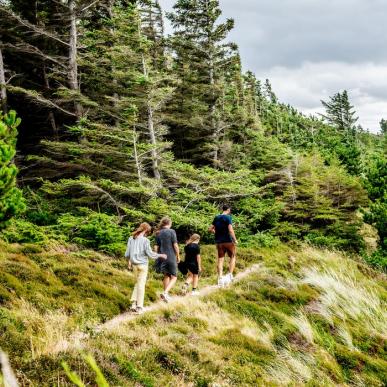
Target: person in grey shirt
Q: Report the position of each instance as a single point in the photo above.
(139, 251)
(166, 243)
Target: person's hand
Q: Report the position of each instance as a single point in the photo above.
(178, 259)
(236, 242)
(130, 267)
(163, 256)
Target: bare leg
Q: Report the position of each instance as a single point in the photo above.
(195, 281)
(232, 264)
(220, 267)
(172, 281)
(189, 279)
(166, 281)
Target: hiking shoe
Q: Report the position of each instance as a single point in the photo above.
(133, 308)
(139, 310)
(230, 278)
(194, 293)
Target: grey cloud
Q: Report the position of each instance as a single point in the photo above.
(284, 35)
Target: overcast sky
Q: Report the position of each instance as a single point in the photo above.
(310, 49)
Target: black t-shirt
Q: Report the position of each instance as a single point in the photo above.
(191, 252)
(221, 223)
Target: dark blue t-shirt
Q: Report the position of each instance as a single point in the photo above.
(221, 223)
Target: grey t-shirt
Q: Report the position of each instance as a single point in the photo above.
(165, 240)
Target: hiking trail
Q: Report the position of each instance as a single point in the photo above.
(77, 338)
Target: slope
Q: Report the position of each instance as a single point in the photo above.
(306, 317)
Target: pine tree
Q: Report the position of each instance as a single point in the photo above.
(383, 126)
(201, 59)
(340, 113)
(11, 201)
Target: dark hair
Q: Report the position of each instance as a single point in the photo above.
(226, 207)
(163, 222)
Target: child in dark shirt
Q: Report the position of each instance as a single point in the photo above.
(192, 265)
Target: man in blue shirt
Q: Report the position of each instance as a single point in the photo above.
(225, 242)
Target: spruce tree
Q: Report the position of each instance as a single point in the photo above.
(201, 56)
(340, 113)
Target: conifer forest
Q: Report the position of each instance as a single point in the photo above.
(108, 121)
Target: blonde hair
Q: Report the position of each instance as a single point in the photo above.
(166, 221)
(194, 238)
(142, 228)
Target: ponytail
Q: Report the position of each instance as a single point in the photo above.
(194, 238)
(166, 221)
(142, 228)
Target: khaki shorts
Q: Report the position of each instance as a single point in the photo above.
(226, 248)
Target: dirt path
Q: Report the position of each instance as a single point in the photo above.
(125, 317)
(76, 341)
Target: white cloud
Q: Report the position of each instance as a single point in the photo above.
(304, 87)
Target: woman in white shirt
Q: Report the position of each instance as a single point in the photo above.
(139, 251)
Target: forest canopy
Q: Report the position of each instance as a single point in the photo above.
(122, 124)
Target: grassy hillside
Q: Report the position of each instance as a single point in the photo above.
(307, 317)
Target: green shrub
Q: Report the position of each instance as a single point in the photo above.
(93, 230)
(22, 231)
(378, 259)
(262, 239)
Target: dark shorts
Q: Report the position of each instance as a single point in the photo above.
(186, 267)
(226, 248)
(166, 266)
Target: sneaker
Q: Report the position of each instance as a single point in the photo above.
(221, 282)
(184, 289)
(194, 293)
(139, 310)
(133, 308)
(165, 297)
(230, 278)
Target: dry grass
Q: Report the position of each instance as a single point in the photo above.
(298, 324)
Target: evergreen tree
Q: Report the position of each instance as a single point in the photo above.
(383, 126)
(11, 201)
(340, 113)
(342, 116)
(202, 57)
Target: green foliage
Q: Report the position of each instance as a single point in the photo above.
(94, 230)
(321, 203)
(378, 259)
(376, 185)
(22, 231)
(74, 378)
(11, 200)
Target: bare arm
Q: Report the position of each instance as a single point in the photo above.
(177, 251)
(211, 229)
(152, 254)
(232, 233)
(199, 258)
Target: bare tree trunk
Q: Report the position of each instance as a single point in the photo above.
(116, 97)
(51, 116)
(136, 159)
(151, 130)
(73, 64)
(152, 136)
(3, 90)
(214, 128)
